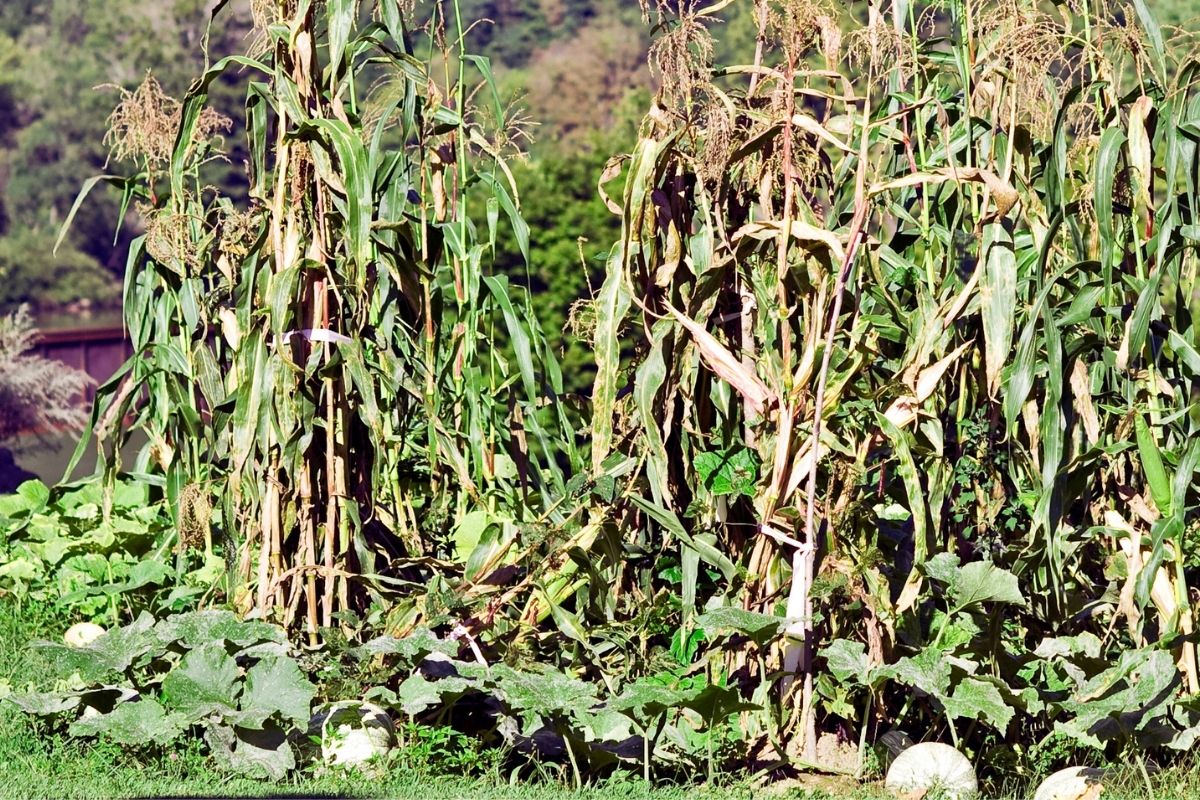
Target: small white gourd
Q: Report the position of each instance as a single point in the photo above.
(933, 766)
(1072, 783)
(82, 634)
(354, 732)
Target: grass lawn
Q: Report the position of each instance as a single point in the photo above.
(51, 766)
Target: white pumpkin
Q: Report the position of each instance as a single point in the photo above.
(931, 765)
(354, 732)
(82, 634)
(1072, 783)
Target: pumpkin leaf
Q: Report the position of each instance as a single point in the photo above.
(203, 684)
(139, 722)
(275, 685)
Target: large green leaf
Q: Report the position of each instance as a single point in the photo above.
(469, 531)
(847, 661)
(203, 684)
(612, 305)
(44, 703)
(111, 654)
(1107, 162)
(341, 21)
(729, 472)
(412, 649)
(645, 699)
(1122, 700)
(982, 582)
(140, 722)
(257, 753)
(669, 521)
(1152, 466)
(197, 628)
(975, 583)
(540, 696)
(722, 620)
(354, 181)
(417, 693)
(605, 726)
(998, 300)
(928, 670)
(907, 469)
(976, 699)
(275, 685)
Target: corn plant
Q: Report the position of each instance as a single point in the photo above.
(911, 287)
(314, 368)
(896, 347)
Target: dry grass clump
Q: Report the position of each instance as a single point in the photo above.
(1118, 35)
(508, 129)
(145, 124)
(264, 13)
(582, 317)
(682, 59)
(1083, 133)
(36, 394)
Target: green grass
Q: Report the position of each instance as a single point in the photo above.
(61, 770)
(35, 763)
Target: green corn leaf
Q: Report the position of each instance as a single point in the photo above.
(355, 178)
(1147, 307)
(193, 104)
(669, 522)
(612, 305)
(1152, 466)
(907, 470)
(341, 15)
(249, 398)
(522, 343)
(650, 378)
(87, 188)
(501, 194)
(1108, 158)
(998, 301)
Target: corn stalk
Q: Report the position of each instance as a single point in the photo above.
(318, 360)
